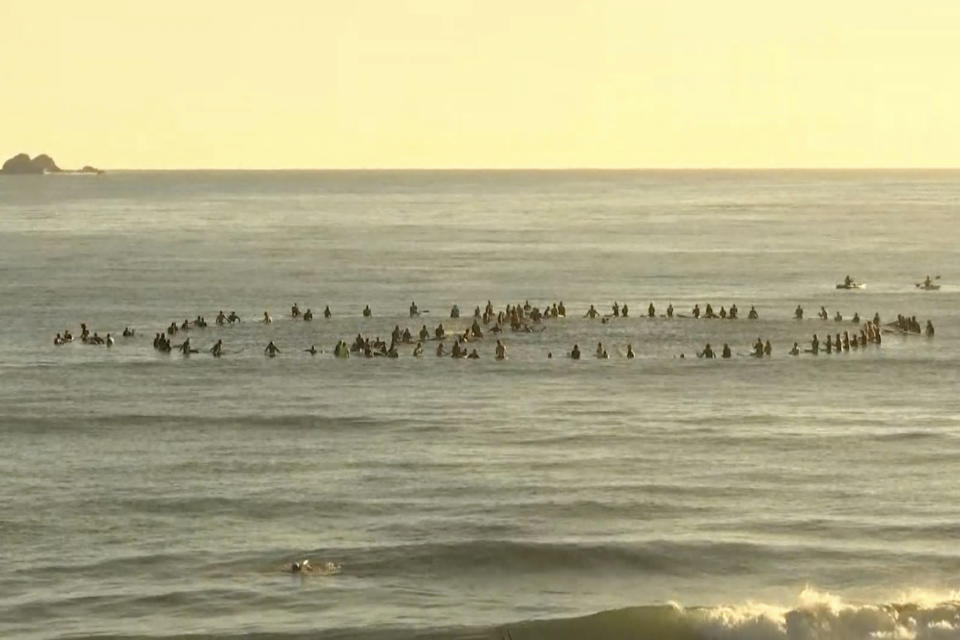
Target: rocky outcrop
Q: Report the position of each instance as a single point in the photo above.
(22, 164)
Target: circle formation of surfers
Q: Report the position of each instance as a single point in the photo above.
(524, 318)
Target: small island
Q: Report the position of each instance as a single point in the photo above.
(22, 164)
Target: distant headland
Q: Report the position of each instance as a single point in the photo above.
(21, 164)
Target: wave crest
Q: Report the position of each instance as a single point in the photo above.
(816, 616)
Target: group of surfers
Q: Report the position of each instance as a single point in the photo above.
(519, 317)
(905, 324)
(86, 337)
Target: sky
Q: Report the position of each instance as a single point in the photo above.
(481, 84)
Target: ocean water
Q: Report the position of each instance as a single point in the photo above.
(151, 495)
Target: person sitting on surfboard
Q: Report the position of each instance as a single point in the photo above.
(847, 281)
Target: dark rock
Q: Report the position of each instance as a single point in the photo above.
(19, 163)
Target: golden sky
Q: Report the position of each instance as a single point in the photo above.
(484, 83)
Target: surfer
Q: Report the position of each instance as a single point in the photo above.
(109, 340)
(271, 349)
(591, 313)
(474, 355)
(651, 311)
(58, 340)
(798, 313)
(440, 350)
(929, 329)
(327, 313)
(233, 317)
(696, 311)
(630, 354)
(454, 311)
(767, 348)
(624, 310)
(501, 351)
(796, 349)
(670, 310)
(758, 348)
(128, 332)
(266, 318)
(838, 317)
(856, 318)
(366, 311)
(575, 353)
(217, 349)
(753, 315)
(312, 350)
(295, 311)
(815, 345)
(707, 352)
(418, 350)
(725, 353)
(734, 311)
(414, 311)
(221, 318)
(823, 313)
(308, 315)
(601, 352)
(616, 309)
(439, 332)
(185, 348)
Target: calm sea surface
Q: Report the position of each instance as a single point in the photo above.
(153, 495)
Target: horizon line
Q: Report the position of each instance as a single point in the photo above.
(543, 169)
